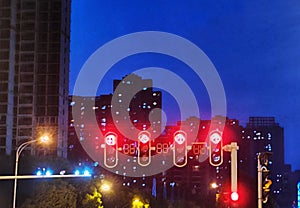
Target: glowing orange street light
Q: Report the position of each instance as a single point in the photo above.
(43, 139)
(214, 185)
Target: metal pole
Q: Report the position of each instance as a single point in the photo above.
(18, 152)
(259, 182)
(42, 177)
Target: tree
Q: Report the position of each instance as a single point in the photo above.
(50, 194)
(92, 200)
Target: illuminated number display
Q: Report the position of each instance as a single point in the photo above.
(144, 148)
(162, 148)
(199, 148)
(129, 149)
(110, 150)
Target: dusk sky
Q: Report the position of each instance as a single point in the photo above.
(254, 45)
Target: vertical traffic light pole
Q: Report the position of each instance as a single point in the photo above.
(233, 148)
(263, 181)
(259, 182)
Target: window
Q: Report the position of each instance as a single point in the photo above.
(25, 100)
(4, 44)
(28, 5)
(25, 110)
(3, 76)
(26, 67)
(42, 47)
(25, 121)
(26, 89)
(27, 46)
(25, 132)
(42, 37)
(42, 58)
(29, 26)
(52, 100)
(41, 89)
(4, 55)
(3, 98)
(41, 111)
(28, 16)
(27, 57)
(29, 35)
(53, 90)
(26, 78)
(41, 100)
(43, 6)
(42, 68)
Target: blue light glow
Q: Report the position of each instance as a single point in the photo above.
(48, 173)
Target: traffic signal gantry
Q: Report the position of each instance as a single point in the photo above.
(179, 149)
(263, 173)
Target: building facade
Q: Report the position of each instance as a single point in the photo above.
(263, 134)
(129, 109)
(34, 67)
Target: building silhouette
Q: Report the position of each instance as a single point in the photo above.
(122, 108)
(263, 134)
(34, 67)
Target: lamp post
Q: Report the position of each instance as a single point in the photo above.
(18, 153)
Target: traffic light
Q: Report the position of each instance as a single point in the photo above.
(215, 148)
(180, 149)
(110, 150)
(266, 182)
(234, 196)
(144, 148)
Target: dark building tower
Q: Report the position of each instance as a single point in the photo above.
(34, 67)
(263, 134)
(132, 106)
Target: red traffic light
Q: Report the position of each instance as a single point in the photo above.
(234, 196)
(110, 150)
(180, 149)
(144, 148)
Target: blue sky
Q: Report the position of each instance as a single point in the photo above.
(254, 45)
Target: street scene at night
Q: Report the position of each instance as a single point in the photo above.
(149, 104)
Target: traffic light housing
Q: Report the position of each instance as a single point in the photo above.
(215, 148)
(180, 149)
(266, 181)
(144, 148)
(110, 150)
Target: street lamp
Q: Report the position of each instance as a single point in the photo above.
(214, 185)
(43, 139)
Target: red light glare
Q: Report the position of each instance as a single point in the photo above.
(234, 196)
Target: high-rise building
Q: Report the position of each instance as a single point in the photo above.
(132, 106)
(263, 134)
(34, 67)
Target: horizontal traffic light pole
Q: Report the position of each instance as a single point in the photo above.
(42, 176)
